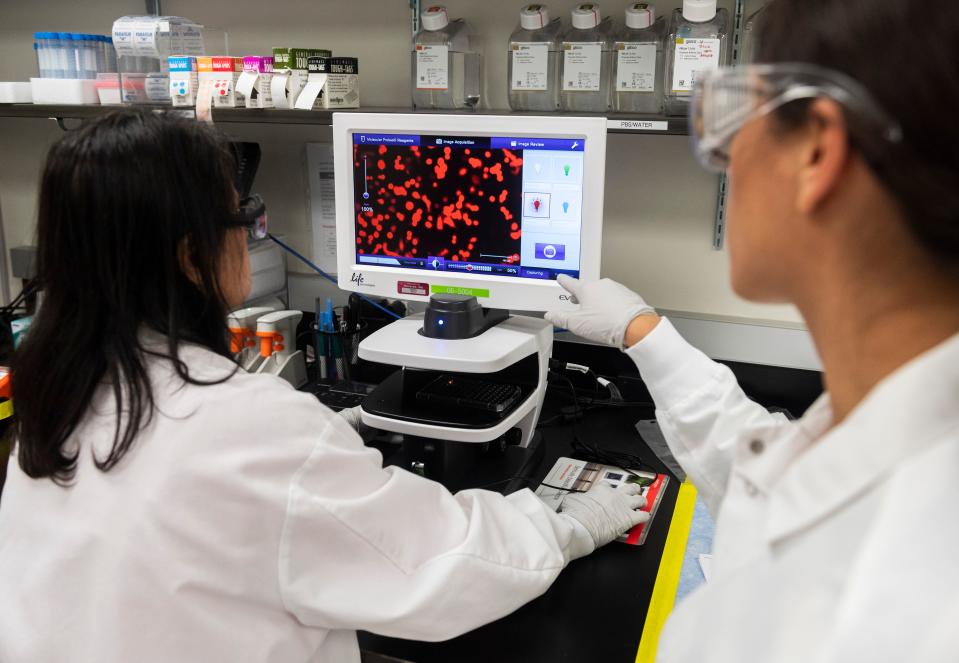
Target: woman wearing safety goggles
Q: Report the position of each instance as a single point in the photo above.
(835, 536)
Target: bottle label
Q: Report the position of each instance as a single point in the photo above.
(635, 67)
(692, 57)
(582, 62)
(432, 67)
(530, 66)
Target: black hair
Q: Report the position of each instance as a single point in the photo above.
(906, 54)
(122, 200)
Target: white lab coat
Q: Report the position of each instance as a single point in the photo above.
(833, 544)
(249, 523)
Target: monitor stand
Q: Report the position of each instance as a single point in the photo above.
(460, 446)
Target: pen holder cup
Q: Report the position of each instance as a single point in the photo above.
(340, 344)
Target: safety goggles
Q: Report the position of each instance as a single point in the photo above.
(724, 100)
(252, 216)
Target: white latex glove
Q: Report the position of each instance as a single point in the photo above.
(605, 310)
(604, 513)
(355, 420)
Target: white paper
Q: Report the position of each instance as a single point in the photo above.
(157, 87)
(123, 36)
(432, 67)
(204, 100)
(691, 57)
(145, 37)
(319, 166)
(314, 85)
(191, 40)
(530, 66)
(635, 67)
(245, 83)
(280, 89)
(582, 63)
(706, 564)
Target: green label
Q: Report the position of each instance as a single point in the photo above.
(457, 290)
(295, 58)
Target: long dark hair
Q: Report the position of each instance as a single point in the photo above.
(121, 200)
(906, 54)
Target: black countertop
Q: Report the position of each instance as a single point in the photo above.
(596, 609)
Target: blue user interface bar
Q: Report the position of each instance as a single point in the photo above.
(492, 142)
(386, 139)
(554, 144)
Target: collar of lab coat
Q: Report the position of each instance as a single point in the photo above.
(811, 471)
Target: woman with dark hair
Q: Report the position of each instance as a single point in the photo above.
(163, 505)
(835, 535)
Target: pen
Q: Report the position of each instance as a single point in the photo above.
(320, 342)
(338, 356)
(328, 316)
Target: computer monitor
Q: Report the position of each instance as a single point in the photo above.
(484, 205)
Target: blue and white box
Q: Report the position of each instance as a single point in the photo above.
(183, 80)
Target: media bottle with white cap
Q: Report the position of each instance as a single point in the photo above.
(698, 42)
(587, 61)
(533, 61)
(446, 67)
(638, 64)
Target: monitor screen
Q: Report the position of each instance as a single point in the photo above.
(491, 205)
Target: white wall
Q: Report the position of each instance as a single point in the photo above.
(659, 204)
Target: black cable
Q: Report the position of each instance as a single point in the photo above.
(528, 482)
(591, 453)
(309, 263)
(525, 480)
(32, 286)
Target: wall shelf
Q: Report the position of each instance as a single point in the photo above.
(616, 123)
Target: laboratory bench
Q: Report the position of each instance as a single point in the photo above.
(596, 609)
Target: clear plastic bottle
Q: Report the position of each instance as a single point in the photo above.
(112, 65)
(698, 42)
(638, 65)
(68, 50)
(41, 43)
(534, 61)
(101, 53)
(751, 36)
(446, 67)
(87, 56)
(587, 61)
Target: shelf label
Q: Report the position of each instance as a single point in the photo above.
(638, 125)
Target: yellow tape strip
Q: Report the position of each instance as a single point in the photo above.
(6, 410)
(667, 577)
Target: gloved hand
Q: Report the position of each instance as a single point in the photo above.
(605, 310)
(604, 513)
(355, 420)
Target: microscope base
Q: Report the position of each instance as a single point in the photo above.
(461, 465)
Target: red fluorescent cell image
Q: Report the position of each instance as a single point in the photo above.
(434, 202)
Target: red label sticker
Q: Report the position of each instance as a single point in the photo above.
(413, 288)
